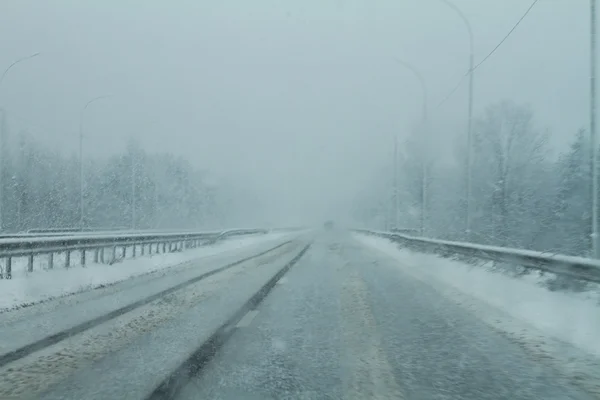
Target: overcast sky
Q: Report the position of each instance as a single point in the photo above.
(297, 99)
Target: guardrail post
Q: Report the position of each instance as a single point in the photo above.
(150, 248)
(164, 246)
(30, 263)
(51, 261)
(9, 267)
(102, 255)
(83, 257)
(113, 254)
(143, 249)
(67, 259)
(133, 250)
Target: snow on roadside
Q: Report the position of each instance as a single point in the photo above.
(557, 329)
(32, 375)
(570, 317)
(41, 285)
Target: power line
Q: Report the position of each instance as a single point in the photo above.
(453, 90)
(489, 54)
(507, 35)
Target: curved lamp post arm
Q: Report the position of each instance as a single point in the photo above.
(15, 63)
(467, 23)
(421, 82)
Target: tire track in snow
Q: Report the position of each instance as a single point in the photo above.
(35, 373)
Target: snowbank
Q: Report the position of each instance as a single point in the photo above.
(570, 317)
(43, 284)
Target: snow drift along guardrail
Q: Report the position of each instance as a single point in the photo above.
(98, 243)
(575, 267)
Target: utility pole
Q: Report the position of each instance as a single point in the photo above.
(470, 143)
(2, 152)
(156, 218)
(424, 162)
(81, 174)
(133, 190)
(467, 23)
(3, 133)
(395, 196)
(425, 132)
(425, 158)
(593, 139)
(81, 177)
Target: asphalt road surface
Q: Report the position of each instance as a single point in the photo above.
(342, 322)
(346, 323)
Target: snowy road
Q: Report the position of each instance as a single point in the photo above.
(346, 323)
(338, 321)
(42, 345)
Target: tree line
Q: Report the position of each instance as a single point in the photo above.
(134, 189)
(523, 194)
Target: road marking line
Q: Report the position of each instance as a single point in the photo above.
(247, 319)
(370, 374)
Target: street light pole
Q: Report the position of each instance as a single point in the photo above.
(2, 126)
(469, 113)
(395, 204)
(133, 199)
(425, 133)
(81, 177)
(593, 139)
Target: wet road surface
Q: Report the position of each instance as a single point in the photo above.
(346, 323)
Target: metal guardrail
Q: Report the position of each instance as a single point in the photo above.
(77, 232)
(581, 268)
(404, 231)
(76, 229)
(98, 244)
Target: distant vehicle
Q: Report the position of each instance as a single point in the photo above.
(329, 225)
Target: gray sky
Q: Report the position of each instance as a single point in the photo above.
(297, 100)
